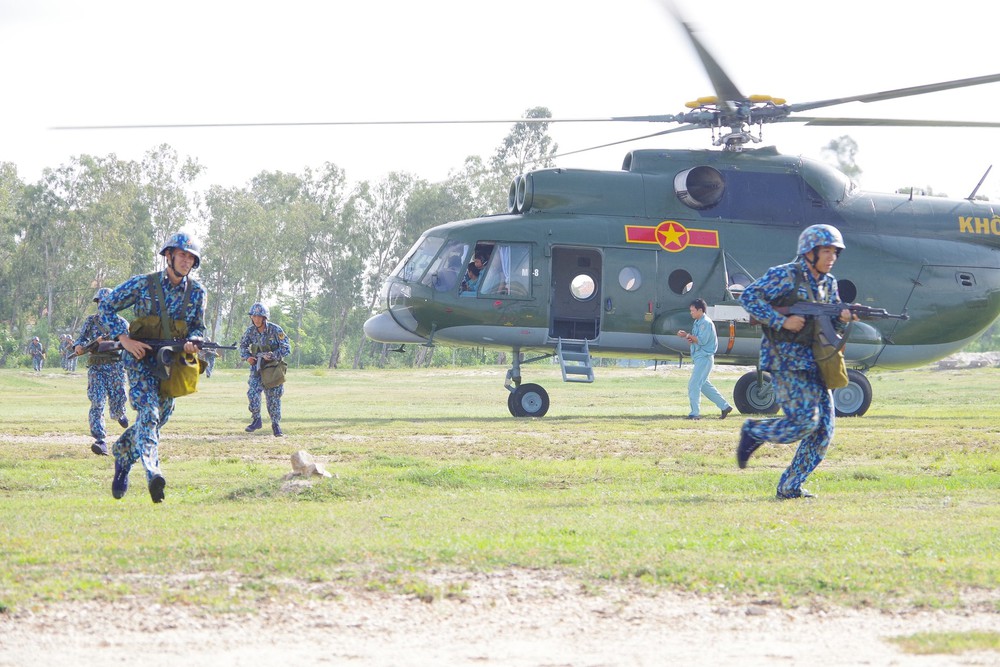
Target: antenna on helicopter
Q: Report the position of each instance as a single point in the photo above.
(972, 195)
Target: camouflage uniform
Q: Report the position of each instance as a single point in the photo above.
(253, 343)
(798, 386)
(105, 380)
(37, 353)
(66, 352)
(184, 302)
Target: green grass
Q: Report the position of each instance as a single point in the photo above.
(930, 643)
(432, 472)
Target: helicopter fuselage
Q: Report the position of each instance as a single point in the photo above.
(615, 258)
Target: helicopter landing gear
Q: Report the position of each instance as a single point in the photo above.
(528, 400)
(525, 400)
(854, 399)
(752, 397)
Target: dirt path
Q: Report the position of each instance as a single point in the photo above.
(509, 618)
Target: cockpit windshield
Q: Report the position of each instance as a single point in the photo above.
(416, 261)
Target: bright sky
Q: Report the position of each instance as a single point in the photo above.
(105, 62)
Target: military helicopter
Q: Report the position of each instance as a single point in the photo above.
(605, 263)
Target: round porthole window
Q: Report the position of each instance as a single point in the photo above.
(680, 281)
(582, 287)
(630, 279)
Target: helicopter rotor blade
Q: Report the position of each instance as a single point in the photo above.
(887, 122)
(898, 92)
(724, 87)
(152, 126)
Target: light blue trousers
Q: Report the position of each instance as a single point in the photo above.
(699, 384)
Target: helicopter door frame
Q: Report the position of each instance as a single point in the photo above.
(575, 292)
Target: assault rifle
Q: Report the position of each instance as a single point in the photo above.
(88, 347)
(164, 348)
(824, 311)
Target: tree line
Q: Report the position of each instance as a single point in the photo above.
(310, 245)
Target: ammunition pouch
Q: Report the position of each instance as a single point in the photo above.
(149, 326)
(830, 361)
(272, 372)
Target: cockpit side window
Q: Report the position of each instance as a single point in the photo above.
(508, 271)
(418, 259)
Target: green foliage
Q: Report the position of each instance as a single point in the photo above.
(939, 643)
(309, 243)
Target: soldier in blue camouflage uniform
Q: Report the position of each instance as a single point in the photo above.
(786, 353)
(263, 340)
(105, 375)
(184, 302)
(37, 353)
(66, 353)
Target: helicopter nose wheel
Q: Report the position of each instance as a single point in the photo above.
(528, 400)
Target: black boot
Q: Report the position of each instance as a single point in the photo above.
(254, 425)
(276, 429)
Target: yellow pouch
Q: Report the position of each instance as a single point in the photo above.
(183, 370)
(830, 360)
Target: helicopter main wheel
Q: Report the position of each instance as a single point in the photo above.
(753, 398)
(528, 400)
(854, 399)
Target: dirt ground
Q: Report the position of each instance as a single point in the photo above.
(515, 617)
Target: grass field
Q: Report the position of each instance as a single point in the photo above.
(432, 472)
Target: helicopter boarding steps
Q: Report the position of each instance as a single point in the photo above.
(574, 359)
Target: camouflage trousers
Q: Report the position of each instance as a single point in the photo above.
(141, 440)
(105, 383)
(809, 417)
(272, 395)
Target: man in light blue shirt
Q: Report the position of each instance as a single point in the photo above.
(704, 344)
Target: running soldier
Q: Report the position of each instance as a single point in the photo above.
(176, 301)
(786, 353)
(37, 354)
(105, 375)
(66, 353)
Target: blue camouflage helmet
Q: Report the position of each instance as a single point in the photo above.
(101, 294)
(260, 309)
(184, 241)
(819, 235)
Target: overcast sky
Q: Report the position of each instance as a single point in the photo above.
(105, 62)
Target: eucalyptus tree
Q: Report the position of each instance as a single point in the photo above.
(527, 146)
(237, 253)
(386, 233)
(11, 192)
(470, 192)
(315, 235)
(50, 253)
(166, 179)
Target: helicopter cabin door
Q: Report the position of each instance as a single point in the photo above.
(575, 293)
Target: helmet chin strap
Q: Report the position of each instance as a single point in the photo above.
(811, 258)
(170, 264)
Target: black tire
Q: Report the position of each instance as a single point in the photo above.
(528, 400)
(854, 399)
(751, 398)
(512, 405)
